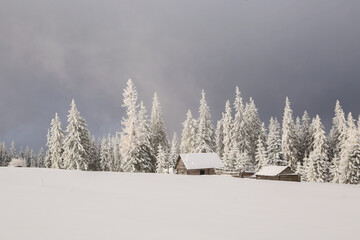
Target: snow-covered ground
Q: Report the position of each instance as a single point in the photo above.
(53, 204)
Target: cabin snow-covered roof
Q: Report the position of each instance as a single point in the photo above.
(201, 160)
(17, 163)
(271, 170)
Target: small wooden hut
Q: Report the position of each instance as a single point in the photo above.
(17, 163)
(198, 164)
(281, 173)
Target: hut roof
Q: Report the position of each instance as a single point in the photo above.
(201, 160)
(271, 170)
(17, 163)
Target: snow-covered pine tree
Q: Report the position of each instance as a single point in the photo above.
(98, 153)
(13, 153)
(239, 124)
(47, 159)
(117, 154)
(317, 164)
(289, 136)
(85, 139)
(162, 164)
(306, 138)
(352, 166)
(205, 140)
(228, 137)
(174, 151)
(298, 140)
(337, 139)
(129, 134)
(4, 156)
(145, 148)
(350, 155)
(27, 156)
(275, 154)
(76, 143)
(189, 133)
(253, 127)
(93, 161)
(33, 159)
(105, 155)
(157, 127)
(219, 137)
(110, 144)
(261, 155)
(244, 162)
(56, 143)
(21, 153)
(264, 136)
(41, 158)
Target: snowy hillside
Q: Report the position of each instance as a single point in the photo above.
(56, 204)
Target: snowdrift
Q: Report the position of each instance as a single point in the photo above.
(54, 204)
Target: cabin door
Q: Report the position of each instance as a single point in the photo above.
(202, 172)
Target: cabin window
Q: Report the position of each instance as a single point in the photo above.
(202, 172)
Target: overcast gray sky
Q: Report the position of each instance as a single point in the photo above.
(54, 50)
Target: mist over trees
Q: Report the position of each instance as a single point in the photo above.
(240, 138)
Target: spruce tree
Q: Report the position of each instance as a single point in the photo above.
(317, 164)
(239, 124)
(261, 155)
(27, 156)
(289, 136)
(13, 153)
(41, 158)
(117, 154)
(33, 159)
(352, 167)
(105, 155)
(4, 156)
(21, 154)
(298, 140)
(162, 164)
(93, 161)
(175, 151)
(253, 127)
(275, 154)
(47, 160)
(110, 146)
(146, 151)
(130, 131)
(338, 140)
(349, 160)
(157, 127)
(219, 137)
(306, 139)
(228, 137)
(56, 143)
(77, 142)
(205, 140)
(189, 133)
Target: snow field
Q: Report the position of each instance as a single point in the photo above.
(58, 204)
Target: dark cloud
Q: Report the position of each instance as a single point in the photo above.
(52, 51)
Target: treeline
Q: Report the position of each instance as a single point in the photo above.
(240, 138)
(32, 159)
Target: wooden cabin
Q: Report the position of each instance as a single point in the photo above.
(198, 164)
(280, 173)
(247, 174)
(17, 163)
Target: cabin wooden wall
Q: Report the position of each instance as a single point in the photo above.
(285, 177)
(180, 167)
(208, 171)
